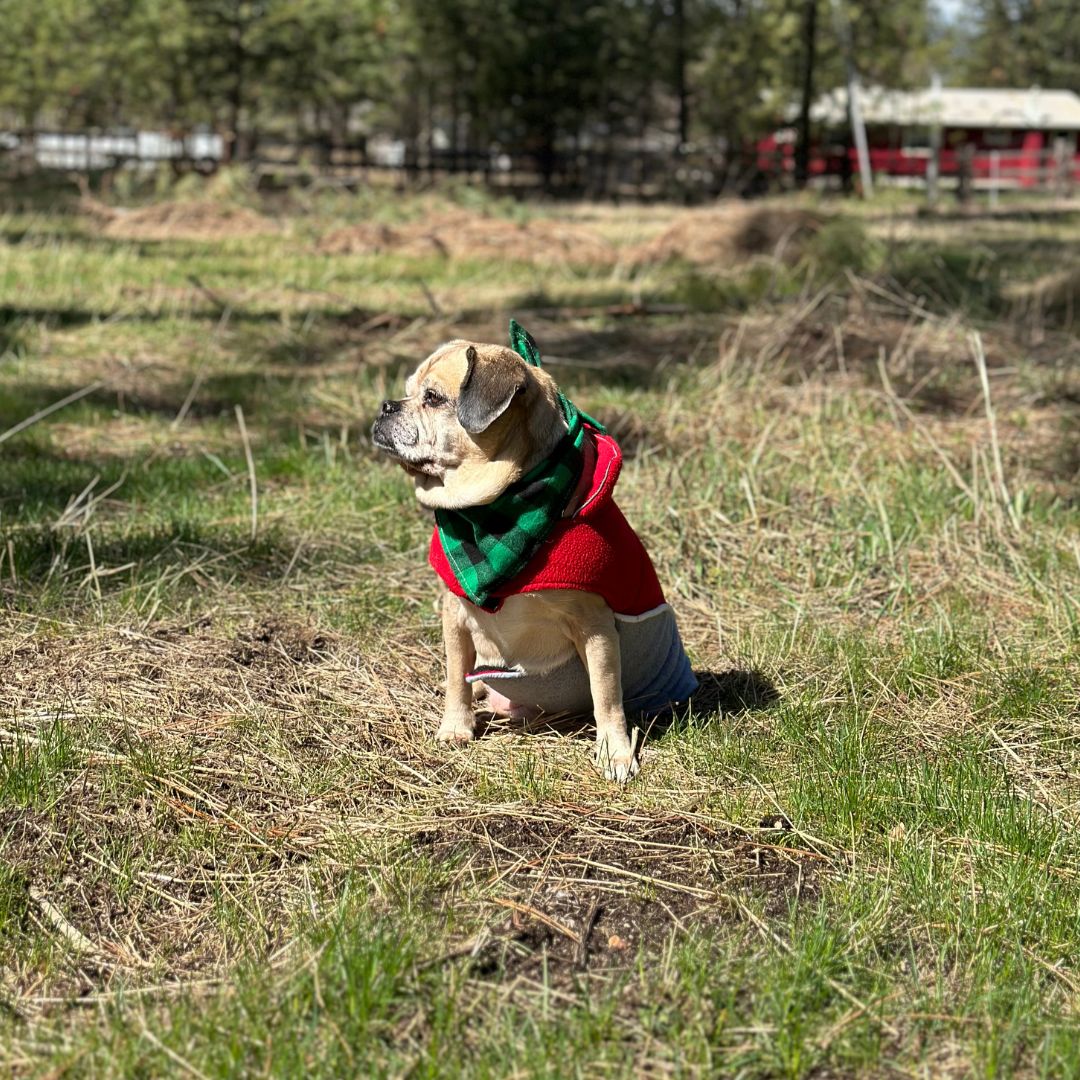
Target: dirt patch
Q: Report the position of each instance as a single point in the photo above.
(597, 890)
(268, 640)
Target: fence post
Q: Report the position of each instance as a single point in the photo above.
(965, 161)
(1062, 168)
(995, 176)
(933, 168)
(933, 163)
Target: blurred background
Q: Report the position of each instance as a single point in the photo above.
(676, 99)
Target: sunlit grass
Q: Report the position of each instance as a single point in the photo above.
(228, 844)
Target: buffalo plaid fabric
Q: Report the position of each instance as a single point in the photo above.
(521, 341)
(487, 546)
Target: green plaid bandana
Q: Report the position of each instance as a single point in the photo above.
(487, 546)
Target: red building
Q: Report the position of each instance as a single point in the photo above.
(1013, 138)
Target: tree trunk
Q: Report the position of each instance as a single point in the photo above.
(680, 76)
(802, 149)
(431, 128)
(455, 115)
(237, 148)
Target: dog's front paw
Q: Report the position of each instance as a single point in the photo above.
(456, 729)
(620, 765)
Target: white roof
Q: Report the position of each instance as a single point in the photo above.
(962, 108)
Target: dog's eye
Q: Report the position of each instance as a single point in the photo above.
(433, 398)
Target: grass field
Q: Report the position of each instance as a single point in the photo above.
(228, 842)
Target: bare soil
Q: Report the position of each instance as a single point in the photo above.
(601, 890)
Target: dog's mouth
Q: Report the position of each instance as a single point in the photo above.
(423, 467)
(414, 467)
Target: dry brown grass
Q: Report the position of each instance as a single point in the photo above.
(706, 237)
(194, 739)
(1056, 295)
(216, 745)
(716, 237)
(185, 219)
(462, 234)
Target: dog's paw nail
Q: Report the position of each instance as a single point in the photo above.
(454, 733)
(621, 769)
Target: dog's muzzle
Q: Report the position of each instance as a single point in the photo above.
(391, 429)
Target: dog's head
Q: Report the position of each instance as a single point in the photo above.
(475, 418)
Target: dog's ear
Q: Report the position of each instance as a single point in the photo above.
(486, 391)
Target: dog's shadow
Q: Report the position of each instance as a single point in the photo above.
(719, 693)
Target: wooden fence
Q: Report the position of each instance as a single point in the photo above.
(634, 172)
(638, 172)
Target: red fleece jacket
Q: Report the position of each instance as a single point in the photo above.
(594, 550)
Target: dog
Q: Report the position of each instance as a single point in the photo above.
(550, 603)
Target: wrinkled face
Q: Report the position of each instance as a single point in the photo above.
(475, 418)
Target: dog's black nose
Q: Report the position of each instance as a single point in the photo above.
(390, 407)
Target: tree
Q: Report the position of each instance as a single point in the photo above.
(1023, 43)
(322, 58)
(806, 97)
(50, 68)
(546, 77)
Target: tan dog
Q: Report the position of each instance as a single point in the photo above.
(475, 419)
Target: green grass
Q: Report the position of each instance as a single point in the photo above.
(228, 843)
